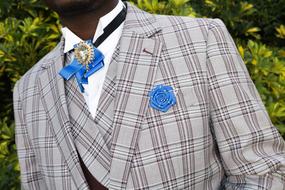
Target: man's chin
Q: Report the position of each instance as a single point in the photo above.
(71, 7)
(73, 10)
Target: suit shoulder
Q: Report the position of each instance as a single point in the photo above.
(180, 23)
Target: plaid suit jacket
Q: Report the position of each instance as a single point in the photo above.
(217, 136)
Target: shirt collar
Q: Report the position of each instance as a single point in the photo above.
(71, 39)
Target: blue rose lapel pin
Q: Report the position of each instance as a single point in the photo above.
(162, 97)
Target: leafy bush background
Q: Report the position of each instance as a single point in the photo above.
(28, 30)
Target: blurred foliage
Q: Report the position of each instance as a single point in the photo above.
(170, 7)
(28, 30)
(9, 166)
(280, 31)
(267, 70)
(251, 19)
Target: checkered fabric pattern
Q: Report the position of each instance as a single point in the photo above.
(92, 137)
(217, 136)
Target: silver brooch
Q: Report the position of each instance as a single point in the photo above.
(84, 53)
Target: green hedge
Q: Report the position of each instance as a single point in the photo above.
(28, 30)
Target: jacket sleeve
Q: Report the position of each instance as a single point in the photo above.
(251, 149)
(31, 178)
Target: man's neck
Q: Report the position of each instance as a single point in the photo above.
(85, 24)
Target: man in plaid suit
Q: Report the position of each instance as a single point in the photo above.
(216, 134)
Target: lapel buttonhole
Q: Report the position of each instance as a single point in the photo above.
(146, 51)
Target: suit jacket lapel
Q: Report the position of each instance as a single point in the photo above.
(136, 69)
(91, 136)
(87, 136)
(105, 112)
(54, 102)
(137, 65)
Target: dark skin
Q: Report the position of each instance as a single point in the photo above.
(81, 16)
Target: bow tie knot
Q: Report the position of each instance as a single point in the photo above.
(87, 60)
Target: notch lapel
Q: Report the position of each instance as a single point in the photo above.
(87, 137)
(91, 136)
(138, 60)
(136, 70)
(53, 98)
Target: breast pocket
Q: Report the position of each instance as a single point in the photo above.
(191, 106)
(180, 131)
(188, 97)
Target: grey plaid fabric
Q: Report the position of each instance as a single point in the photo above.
(217, 136)
(92, 138)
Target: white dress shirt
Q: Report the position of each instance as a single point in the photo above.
(92, 90)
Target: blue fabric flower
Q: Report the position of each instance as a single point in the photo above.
(81, 71)
(162, 98)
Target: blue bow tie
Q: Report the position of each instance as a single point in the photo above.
(87, 60)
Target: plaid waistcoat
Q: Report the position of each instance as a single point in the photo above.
(92, 137)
